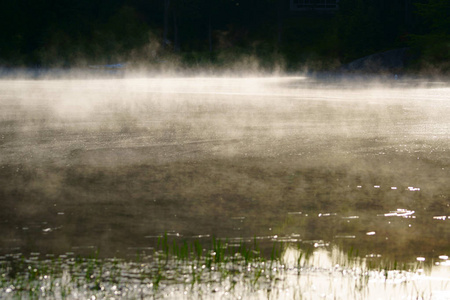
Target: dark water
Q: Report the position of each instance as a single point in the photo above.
(110, 165)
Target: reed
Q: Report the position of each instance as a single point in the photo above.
(190, 268)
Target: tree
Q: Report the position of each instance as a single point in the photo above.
(368, 26)
(434, 42)
(436, 14)
(166, 22)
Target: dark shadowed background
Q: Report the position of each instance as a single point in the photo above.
(289, 34)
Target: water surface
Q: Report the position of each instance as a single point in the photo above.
(110, 165)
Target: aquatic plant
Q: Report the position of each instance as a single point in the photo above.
(207, 269)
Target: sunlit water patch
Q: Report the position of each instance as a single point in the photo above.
(186, 271)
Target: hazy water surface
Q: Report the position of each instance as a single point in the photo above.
(113, 164)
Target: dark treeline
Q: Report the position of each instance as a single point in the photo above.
(69, 33)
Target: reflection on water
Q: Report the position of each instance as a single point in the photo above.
(401, 212)
(332, 274)
(109, 165)
(298, 273)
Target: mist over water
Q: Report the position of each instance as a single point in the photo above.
(110, 164)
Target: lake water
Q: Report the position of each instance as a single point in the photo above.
(342, 166)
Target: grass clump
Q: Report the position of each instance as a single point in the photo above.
(199, 268)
